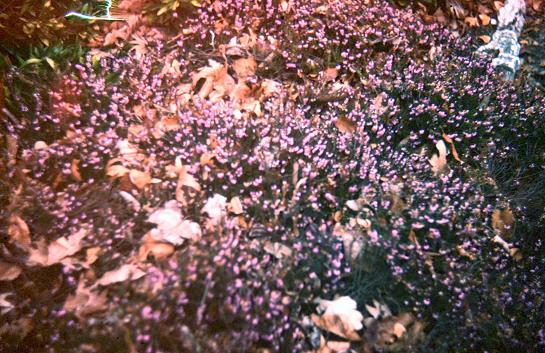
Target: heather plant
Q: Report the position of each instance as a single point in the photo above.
(381, 130)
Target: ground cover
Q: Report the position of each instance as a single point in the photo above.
(293, 176)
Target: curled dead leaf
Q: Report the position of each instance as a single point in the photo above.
(449, 140)
(502, 222)
(485, 19)
(140, 179)
(85, 301)
(47, 255)
(74, 168)
(186, 179)
(439, 162)
(9, 272)
(170, 225)
(19, 232)
(345, 125)
(471, 21)
(245, 67)
(340, 317)
(159, 250)
(116, 171)
(278, 250)
(235, 206)
(127, 272)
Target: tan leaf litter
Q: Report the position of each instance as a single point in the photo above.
(85, 301)
(439, 162)
(47, 255)
(171, 227)
(340, 317)
(127, 272)
(18, 231)
(216, 208)
(9, 272)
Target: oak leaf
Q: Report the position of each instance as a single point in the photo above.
(340, 317)
(54, 253)
(126, 272)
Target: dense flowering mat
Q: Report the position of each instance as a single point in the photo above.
(293, 176)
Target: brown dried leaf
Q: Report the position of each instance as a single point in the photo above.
(116, 171)
(399, 330)
(140, 179)
(235, 206)
(85, 302)
(186, 179)
(58, 250)
(502, 222)
(485, 38)
(345, 125)
(245, 67)
(91, 255)
(485, 19)
(9, 272)
(340, 316)
(150, 246)
(74, 168)
(18, 231)
(439, 162)
(452, 148)
(337, 325)
(472, 21)
(126, 272)
(498, 5)
(330, 74)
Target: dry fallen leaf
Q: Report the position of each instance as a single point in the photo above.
(449, 140)
(399, 329)
(485, 19)
(9, 272)
(485, 38)
(330, 74)
(18, 231)
(245, 67)
(498, 5)
(47, 255)
(116, 171)
(345, 125)
(85, 301)
(395, 333)
(186, 179)
(216, 208)
(439, 162)
(235, 206)
(74, 168)
(91, 255)
(213, 81)
(502, 222)
(159, 250)
(126, 272)
(171, 227)
(140, 179)
(472, 21)
(332, 346)
(340, 317)
(278, 250)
